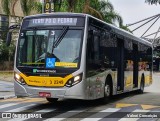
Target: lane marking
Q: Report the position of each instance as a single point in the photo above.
(146, 107)
(66, 115)
(7, 105)
(35, 100)
(45, 111)
(122, 105)
(21, 108)
(13, 99)
(101, 114)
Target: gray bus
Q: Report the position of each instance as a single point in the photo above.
(77, 56)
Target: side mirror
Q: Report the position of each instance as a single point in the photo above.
(8, 39)
(9, 34)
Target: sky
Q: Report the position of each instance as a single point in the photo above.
(136, 10)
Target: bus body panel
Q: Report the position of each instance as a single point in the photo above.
(75, 92)
(92, 87)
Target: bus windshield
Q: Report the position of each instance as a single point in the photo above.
(49, 48)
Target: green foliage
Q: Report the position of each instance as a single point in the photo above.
(125, 28)
(26, 6)
(6, 53)
(30, 5)
(153, 1)
(38, 7)
(6, 6)
(101, 9)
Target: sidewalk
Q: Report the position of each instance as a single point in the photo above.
(6, 76)
(6, 85)
(6, 89)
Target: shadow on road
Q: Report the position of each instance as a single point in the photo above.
(74, 103)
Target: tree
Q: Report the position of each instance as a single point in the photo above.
(91, 10)
(57, 5)
(101, 9)
(30, 5)
(71, 5)
(8, 6)
(153, 1)
(106, 9)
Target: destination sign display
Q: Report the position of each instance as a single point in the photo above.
(52, 21)
(48, 21)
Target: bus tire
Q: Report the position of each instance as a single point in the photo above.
(52, 100)
(141, 90)
(107, 90)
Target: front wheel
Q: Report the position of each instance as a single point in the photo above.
(52, 100)
(107, 93)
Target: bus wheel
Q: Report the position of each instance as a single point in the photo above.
(141, 90)
(52, 100)
(107, 92)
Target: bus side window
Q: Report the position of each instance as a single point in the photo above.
(93, 51)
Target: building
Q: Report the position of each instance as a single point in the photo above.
(15, 17)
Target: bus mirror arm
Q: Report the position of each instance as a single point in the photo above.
(9, 34)
(9, 37)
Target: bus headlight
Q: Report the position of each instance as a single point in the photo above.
(19, 79)
(73, 81)
(17, 76)
(76, 78)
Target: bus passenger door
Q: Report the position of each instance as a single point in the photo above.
(135, 65)
(120, 63)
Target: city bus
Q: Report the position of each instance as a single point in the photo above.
(77, 56)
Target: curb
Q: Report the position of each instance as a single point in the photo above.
(8, 97)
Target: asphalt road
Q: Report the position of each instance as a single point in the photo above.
(6, 89)
(151, 95)
(119, 108)
(155, 87)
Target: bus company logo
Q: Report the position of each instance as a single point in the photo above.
(34, 70)
(43, 71)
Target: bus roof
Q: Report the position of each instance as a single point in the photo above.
(114, 28)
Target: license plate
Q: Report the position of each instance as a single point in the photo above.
(44, 94)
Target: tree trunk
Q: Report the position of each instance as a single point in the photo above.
(13, 12)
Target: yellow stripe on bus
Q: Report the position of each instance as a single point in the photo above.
(66, 64)
(46, 81)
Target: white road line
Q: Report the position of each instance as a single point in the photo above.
(40, 111)
(21, 108)
(45, 110)
(7, 105)
(66, 115)
(101, 114)
(138, 112)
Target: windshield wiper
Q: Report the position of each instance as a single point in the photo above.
(59, 39)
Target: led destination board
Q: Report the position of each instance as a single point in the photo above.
(49, 21)
(53, 21)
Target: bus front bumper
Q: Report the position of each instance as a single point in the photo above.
(75, 92)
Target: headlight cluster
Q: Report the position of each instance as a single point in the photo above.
(19, 79)
(73, 81)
